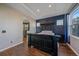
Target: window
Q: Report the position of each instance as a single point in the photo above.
(60, 22)
(38, 24)
(75, 23)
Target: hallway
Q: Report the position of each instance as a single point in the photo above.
(23, 50)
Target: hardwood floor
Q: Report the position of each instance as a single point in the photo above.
(23, 50)
(64, 50)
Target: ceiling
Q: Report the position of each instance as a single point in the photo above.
(46, 11)
(43, 10)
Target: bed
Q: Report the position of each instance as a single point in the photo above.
(46, 41)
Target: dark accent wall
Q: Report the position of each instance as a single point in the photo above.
(50, 24)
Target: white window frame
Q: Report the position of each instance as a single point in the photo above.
(70, 21)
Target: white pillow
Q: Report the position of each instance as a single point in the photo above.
(47, 32)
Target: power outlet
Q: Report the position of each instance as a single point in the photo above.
(11, 41)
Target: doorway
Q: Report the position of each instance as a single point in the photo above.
(25, 29)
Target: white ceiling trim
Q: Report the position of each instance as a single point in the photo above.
(22, 8)
(27, 8)
(29, 12)
(49, 15)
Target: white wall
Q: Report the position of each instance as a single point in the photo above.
(11, 21)
(32, 24)
(74, 44)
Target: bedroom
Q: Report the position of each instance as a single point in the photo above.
(37, 29)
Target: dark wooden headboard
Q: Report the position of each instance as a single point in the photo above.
(48, 27)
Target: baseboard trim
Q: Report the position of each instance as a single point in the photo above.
(72, 49)
(10, 46)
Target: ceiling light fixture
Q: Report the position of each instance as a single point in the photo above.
(38, 10)
(50, 6)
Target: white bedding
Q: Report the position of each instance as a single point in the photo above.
(46, 33)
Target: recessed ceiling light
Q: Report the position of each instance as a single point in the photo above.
(38, 10)
(50, 6)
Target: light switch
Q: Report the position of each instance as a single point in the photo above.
(3, 31)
